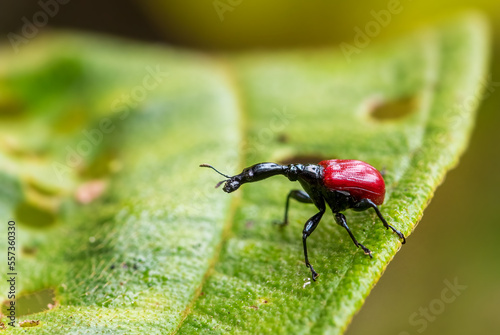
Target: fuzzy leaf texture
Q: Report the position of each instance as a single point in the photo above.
(100, 142)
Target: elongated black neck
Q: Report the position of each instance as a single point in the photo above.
(293, 172)
(262, 171)
(253, 173)
(304, 173)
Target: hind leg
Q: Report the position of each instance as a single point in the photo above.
(341, 220)
(365, 204)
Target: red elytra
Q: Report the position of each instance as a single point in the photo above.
(358, 178)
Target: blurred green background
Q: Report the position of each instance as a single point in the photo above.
(456, 240)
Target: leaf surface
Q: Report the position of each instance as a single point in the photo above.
(161, 251)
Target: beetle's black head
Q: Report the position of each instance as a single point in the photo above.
(231, 183)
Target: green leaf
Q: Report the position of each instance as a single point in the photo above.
(160, 250)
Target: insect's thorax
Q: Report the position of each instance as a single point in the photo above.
(338, 201)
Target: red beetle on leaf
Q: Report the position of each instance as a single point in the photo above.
(341, 183)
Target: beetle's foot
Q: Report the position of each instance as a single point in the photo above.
(400, 234)
(280, 223)
(366, 250)
(314, 274)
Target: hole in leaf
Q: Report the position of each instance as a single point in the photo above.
(303, 159)
(36, 302)
(28, 251)
(283, 138)
(40, 204)
(41, 189)
(11, 108)
(394, 109)
(34, 216)
(29, 323)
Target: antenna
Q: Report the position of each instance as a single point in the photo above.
(210, 166)
(222, 174)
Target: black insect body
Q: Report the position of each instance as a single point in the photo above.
(341, 184)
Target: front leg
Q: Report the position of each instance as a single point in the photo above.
(309, 227)
(298, 195)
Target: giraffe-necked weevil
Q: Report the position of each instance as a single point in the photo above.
(340, 183)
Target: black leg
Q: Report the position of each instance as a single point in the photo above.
(298, 195)
(340, 218)
(365, 204)
(309, 227)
